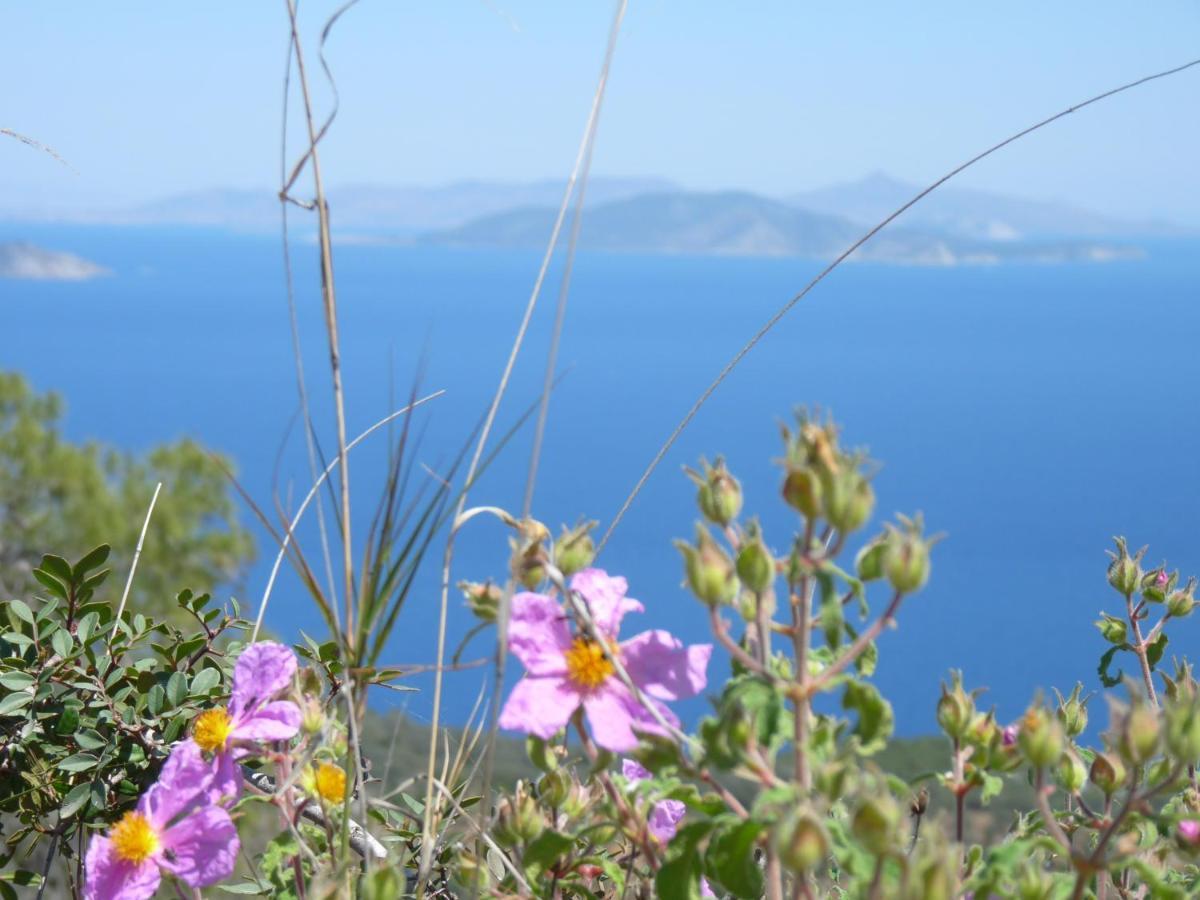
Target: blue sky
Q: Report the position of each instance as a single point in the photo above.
(151, 98)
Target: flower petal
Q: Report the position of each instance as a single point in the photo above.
(614, 713)
(111, 878)
(539, 706)
(181, 784)
(263, 670)
(277, 721)
(537, 634)
(665, 818)
(605, 596)
(633, 771)
(226, 785)
(663, 667)
(203, 847)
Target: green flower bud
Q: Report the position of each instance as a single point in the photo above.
(1072, 712)
(1180, 603)
(528, 821)
(313, 715)
(801, 841)
(709, 570)
(1040, 737)
(1107, 773)
(719, 495)
(849, 499)
(528, 561)
(755, 565)
(831, 780)
(1125, 571)
(1156, 584)
(482, 599)
(938, 880)
(802, 491)
(955, 709)
(1072, 773)
(906, 556)
(1112, 629)
(577, 802)
(553, 788)
(869, 561)
(1137, 738)
(574, 550)
(874, 823)
(541, 753)
(1183, 730)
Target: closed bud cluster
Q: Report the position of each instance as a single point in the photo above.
(906, 556)
(1107, 773)
(718, 494)
(1181, 603)
(755, 565)
(1157, 583)
(955, 709)
(1125, 571)
(1137, 733)
(801, 841)
(483, 599)
(574, 549)
(1072, 773)
(1072, 712)
(1040, 737)
(709, 570)
(1112, 629)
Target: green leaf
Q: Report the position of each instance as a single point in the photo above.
(679, 878)
(50, 583)
(89, 740)
(730, 859)
(1155, 651)
(92, 560)
(62, 643)
(1106, 660)
(545, 849)
(205, 680)
(86, 627)
(177, 688)
(58, 567)
(75, 800)
(80, 762)
(13, 702)
(156, 698)
(246, 887)
(16, 681)
(875, 717)
(22, 610)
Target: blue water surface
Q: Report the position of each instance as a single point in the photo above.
(1030, 411)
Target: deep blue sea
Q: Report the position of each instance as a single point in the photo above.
(1030, 411)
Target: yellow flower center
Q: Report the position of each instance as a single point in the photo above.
(331, 782)
(588, 663)
(134, 839)
(211, 730)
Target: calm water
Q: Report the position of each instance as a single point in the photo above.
(1031, 412)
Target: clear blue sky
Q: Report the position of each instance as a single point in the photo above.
(150, 98)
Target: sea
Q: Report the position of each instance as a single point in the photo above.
(1029, 411)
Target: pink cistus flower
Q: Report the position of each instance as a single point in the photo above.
(1189, 831)
(565, 671)
(263, 671)
(1009, 736)
(666, 815)
(172, 829)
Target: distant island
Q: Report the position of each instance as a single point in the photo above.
(23, 260)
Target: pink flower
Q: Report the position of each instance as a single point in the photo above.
(263, 671)
(565, 671)
(167, 831)
(1160, 580)
(1009, 736)
(1189, 831)
(665, 816)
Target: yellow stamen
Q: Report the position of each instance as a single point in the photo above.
(331, 782)
(134, 839)
(211, 730)
(588, 665)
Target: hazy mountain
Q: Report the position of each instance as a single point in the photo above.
(743, 224)
(21, 260)
(968, 213)
(372, 207)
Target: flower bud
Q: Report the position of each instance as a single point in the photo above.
(1008, 737)
(1156, 584)
(848, 498)
(955, 709)
(1072, 773)
(906, 556)
(312, 715)
(1188, 833)
(574, 550)
(938, 880)
(831, 780)
(1072, 712)
(719, 495)
(528, 561)
(1112, 629)
(1137, 739)
(801, 841)
(710, 572)
(802, 491)
(541, 753)
(874, 823)
(1183, 729)
(483, 599)
(553, 788)
(1040, 738)
(1125, 571)
(869, 561)
(755, 565)
(1180, 603)
(1107, 773)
